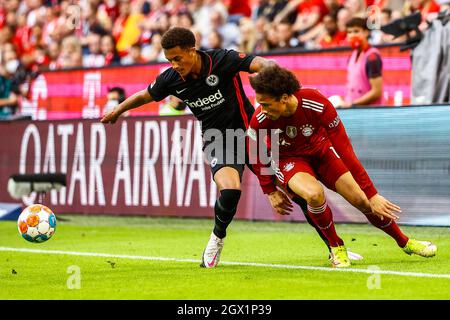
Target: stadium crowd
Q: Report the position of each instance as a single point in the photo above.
(37, 35)
(57, 34)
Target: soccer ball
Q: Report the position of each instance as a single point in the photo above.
(37, 223)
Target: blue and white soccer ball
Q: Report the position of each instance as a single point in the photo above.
(37, 223)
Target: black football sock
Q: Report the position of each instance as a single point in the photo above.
(224, 209)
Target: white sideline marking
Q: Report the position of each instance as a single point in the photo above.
(249, 264)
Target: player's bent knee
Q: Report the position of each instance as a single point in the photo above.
(310, 190)
(315, 197)
(227, 178)
(227, 185)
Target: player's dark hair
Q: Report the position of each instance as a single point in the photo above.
(358, 23)
(182, 37)
(275, 81)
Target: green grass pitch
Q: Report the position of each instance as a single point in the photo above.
(255, 262)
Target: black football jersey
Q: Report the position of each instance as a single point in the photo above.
(216, 98)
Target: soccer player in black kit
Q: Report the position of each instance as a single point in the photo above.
(209, 83)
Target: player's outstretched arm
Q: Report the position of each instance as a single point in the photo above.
(258, 63)
(136, 100)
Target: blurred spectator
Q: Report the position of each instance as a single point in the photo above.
(40, 59)
(35, 9)
(38, 27)
(115, 96)
(429, 10)
(173, 107)
(8, 99)
(364, 70)
(52, 24)
(13, 64)
(394, 5)
(94, 58)
(271, 40)
(332, 36)
(22, 35)
(248, 33)
(357, 8)
(69, 23)
(285, 35)
(445, 5)
(343, 16)
(121, 20)
(174, 20)
(162, 23)
(109, 51)
(108, 11)
(6, 8)
(262, 27)
(57, 34)
(378, 36)
(203, 18)
(126, 30)
(238, 9)
(54, 51)
(229, 32)
(269, 9)
(308, 22)
(185, 20)
(12, 76)
(91, 22)
(134, 55)
(198, 39)
(154, 51)
(386, 16)
(309, 14)
(173, 7)
(333, 6)
(151, 22)
(6, 35)
(396, 15)
(215, 40)
(71, 55)
(193, 6)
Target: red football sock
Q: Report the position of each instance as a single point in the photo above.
(390, 227)
(323, 218)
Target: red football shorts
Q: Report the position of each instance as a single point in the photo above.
(325, 165)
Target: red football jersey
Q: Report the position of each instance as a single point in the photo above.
(314, 122)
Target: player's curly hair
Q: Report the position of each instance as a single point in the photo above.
(275, 81)
(176, 36)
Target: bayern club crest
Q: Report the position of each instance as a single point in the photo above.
(307, 130)
(212, 80)
(288, 166)
(291, 131)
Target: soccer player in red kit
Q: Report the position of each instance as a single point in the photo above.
(314, 146)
